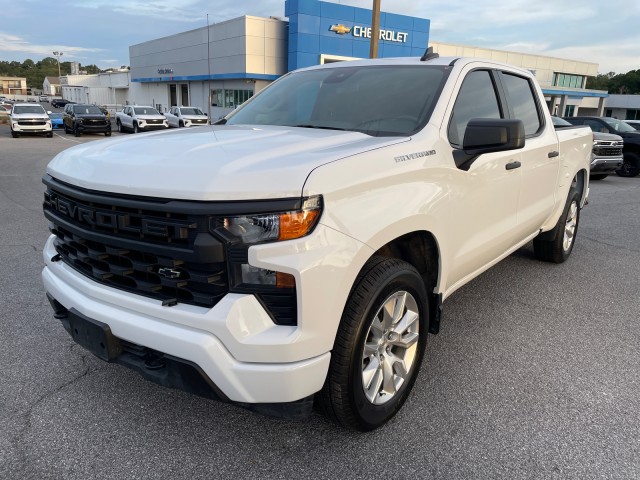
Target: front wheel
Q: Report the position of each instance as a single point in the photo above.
(135, 127)
(76, 132)
(14, 134)
(379, 346)
(119, 125)
(630, 165)
(558, 247)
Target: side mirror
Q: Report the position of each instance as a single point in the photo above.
(488, 135)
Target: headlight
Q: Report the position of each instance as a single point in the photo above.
(252, 229)
(242, 231)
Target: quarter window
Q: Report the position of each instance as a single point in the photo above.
(476, 99)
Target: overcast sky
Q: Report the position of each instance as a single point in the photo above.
(100, 32)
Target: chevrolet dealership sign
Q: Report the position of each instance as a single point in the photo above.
(365, 32)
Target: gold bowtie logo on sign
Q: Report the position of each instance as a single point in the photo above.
(340, 29)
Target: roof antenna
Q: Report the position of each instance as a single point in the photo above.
(429, 54)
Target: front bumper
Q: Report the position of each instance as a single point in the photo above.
(16, 127)
(186, 333)
(605, 165)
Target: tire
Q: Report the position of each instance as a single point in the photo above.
(135, 127)
(50, 134)
(14, 134)
(120, 127)
(630, 165)
(180, 124)
(107, 134)
(376, 359)
(66, 130)
(76, 132)
(598, 176)
(559, 245)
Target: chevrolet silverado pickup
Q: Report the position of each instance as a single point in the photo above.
(297, 253)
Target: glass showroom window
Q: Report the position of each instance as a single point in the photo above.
(566, 80)
(632, 114)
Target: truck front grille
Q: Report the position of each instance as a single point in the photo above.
(607, 151)
(160, 248)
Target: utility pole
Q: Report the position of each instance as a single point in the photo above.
(375, 29)
(209, 74)
(58, 55)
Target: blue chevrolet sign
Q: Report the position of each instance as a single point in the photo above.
(318, 29)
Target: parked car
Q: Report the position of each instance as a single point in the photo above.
(634, 123)
(606, 154)
(631, 136)
(29, 118)
(139, 118)
(59, 102)
(56, 120)
(186, 117)
(43, 98)
(81, 118)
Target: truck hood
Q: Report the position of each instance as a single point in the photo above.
(210, 163)
(608, 137)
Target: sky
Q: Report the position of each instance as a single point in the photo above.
(100, 31)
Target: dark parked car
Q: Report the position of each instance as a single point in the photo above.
(631, 136)
(634, 123)
(606, 153)
(59, 102)
(79, 118)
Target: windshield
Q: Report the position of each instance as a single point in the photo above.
(191, 111)
(28, 109)
(619, 125)
(377, 100)
(87, 109)
(145, 111)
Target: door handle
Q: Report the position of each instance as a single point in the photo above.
(553, 154)
(513, 165)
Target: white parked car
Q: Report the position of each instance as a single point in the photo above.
(186, 117)
(137, 118)
(30, 118)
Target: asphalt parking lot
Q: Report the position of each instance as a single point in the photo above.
(535, 374)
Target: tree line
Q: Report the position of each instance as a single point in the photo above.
(621, 83)
(35, 72)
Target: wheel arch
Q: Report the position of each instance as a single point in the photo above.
(420, 249)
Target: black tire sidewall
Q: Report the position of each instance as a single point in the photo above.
(631, 166)
(368, 415)
(574, 196)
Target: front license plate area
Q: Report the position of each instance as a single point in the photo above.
(95, 336)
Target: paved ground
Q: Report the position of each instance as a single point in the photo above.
(535, 375)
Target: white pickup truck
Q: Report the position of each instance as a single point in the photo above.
(139, 118)
(301, 249)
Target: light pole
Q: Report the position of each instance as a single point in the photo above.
(58, 55)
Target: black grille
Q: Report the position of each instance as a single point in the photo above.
(154, 122)
(607, 151)
(158, 248)
(27, 123)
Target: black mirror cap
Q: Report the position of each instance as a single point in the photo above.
(486, 135)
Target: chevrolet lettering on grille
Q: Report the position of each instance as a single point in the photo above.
(116, 221)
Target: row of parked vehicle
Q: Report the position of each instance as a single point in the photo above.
(616, 144)
(136, 118)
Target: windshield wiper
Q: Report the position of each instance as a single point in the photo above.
(322, 127)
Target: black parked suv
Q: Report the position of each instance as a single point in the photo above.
(631, 136)
(79, 118)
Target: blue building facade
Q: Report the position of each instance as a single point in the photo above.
(322, 29)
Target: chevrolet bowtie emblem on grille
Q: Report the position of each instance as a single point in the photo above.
(340, 29)
(169, 273)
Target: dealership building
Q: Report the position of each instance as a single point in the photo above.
(230, 61)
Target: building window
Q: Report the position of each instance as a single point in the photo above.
(568, 110)
(608, 112)
(632, 114)
(229, 98)
(566, 80)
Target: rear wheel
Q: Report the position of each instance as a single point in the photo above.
(558, 247)
(630, 165)
(378, 347)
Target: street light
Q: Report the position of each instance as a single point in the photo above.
(58, 55)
